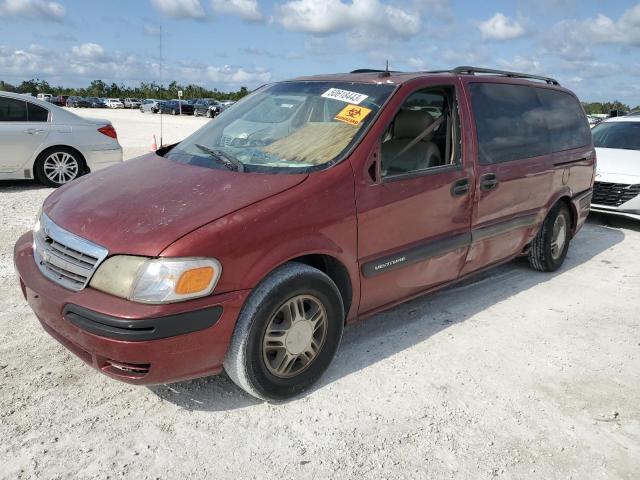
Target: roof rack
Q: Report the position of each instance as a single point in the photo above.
(473, 70)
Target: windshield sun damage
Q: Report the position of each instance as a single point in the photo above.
(286, 127)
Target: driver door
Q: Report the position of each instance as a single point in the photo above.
(414, 222)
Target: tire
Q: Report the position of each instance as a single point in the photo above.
(251, 364)
(173, 112)
(45, 166)
(141, 110)
(549, 247)
(195, 112)
(209, 113)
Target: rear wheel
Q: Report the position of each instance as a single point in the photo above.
(549, 247)
(57, 166)
(287, 333)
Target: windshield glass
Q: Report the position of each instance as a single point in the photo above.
(624, 135)
(287, 127)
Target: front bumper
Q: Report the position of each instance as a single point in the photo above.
(633, 214)
(155, 350)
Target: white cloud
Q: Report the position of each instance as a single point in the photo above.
(34, 9)
(416, 63)
(368, 22)
(180, 8)
(245, 9)
(89, 61)
(89, 51)
(603, 29)
(522, 64)
(501, 27)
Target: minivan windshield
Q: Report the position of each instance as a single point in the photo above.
(624, 135)
(288, 127)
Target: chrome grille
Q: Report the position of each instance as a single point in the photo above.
(614, 194)
(63, 257)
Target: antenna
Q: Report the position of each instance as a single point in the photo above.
(386, 72)
(161, 86)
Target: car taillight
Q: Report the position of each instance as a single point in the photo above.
(109, 131)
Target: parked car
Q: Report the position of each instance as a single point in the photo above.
(44, 96)
(593, 120)
(60, 100)
(617, 187)
(78, 102)
(114, 103)
(150, 105)
(176, 107)
(96, 102)
(40, 140)
(311, 203)
(227, 103)
(132, 103)
(207, 107)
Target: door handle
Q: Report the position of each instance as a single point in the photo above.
(460, 187)
(489, 181)
(33, 131)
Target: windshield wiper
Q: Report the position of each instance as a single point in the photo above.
(223, 158)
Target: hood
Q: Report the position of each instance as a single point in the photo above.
(141, 206)
(618, 165)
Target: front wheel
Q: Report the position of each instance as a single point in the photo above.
(287, 333)
(58, 166)
(549, 247)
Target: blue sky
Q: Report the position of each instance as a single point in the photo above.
(593, 47)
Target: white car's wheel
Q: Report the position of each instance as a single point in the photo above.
(58, 165)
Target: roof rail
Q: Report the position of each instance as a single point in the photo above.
(473, 70)
(372, 70)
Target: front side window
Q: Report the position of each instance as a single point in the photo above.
(286, 127)
(423, 134)
(13, 110)
(623, 135)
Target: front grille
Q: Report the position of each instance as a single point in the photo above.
(614, 194)
(63, 257)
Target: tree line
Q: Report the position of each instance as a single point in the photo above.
(98, 88)
(606, 107)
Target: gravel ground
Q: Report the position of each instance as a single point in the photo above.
(515, 374)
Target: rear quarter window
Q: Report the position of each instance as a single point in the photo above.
(36, 113)
(516, 122)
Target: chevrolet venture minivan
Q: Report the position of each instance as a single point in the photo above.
(308, 205)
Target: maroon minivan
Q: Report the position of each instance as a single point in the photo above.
(309, 204)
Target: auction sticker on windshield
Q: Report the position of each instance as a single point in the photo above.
(353, 114)
(344, 95)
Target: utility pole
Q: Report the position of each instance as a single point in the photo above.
(161, 85)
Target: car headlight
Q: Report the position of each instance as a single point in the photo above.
(157, 280)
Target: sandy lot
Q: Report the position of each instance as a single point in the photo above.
(515, 375)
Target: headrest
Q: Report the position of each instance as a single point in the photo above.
(411, 123)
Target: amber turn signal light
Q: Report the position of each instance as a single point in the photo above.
(195, 280)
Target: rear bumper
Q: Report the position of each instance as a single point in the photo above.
(581, 203)
(131, 342)
(98, 159)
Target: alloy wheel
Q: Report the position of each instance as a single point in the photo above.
(558, 236)
(61, 167)
(294, 336)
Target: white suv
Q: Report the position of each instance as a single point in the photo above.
(114, 103)
(40, 140)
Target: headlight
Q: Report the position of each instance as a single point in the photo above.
(157, 280)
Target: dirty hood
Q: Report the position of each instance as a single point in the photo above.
(141, 206)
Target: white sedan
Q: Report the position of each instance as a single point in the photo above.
(114, 103)
(617, 184)
(40, 140)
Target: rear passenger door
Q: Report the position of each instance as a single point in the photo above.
(515, 170)
(24, 127)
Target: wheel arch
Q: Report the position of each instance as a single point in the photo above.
(335, 270)
(49, 148)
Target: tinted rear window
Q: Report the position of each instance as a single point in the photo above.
(565, 119)
(36, 113)
(517, 122)
(12, 110)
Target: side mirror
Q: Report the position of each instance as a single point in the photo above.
(373, 165)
